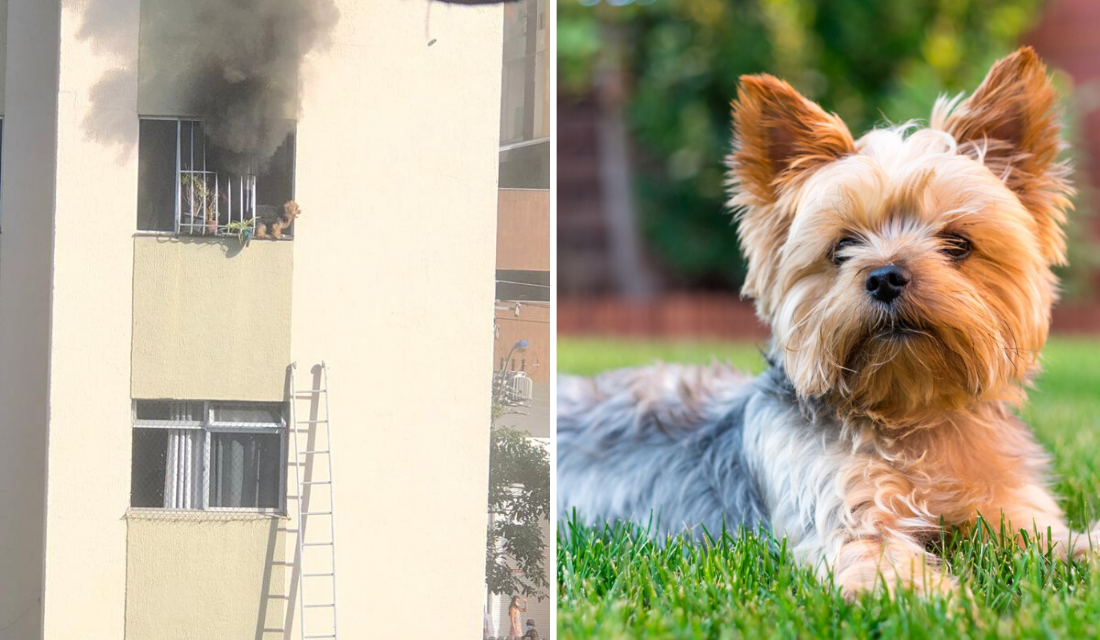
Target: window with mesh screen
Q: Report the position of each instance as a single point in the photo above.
(208, 456)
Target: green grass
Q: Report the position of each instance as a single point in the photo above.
(614, 583)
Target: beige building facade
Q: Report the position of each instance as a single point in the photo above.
(105, 323)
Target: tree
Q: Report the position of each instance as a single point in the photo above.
(870, 61)
(519, 503)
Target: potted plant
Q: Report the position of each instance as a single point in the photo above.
(202, 201)
(243, 229)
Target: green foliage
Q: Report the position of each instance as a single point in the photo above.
(589, 356)
(615, 583)
(243, 229)
(199, 195)
(519, 504)
(870, 61)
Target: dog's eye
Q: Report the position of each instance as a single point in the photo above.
(843, 244)
(956, 247)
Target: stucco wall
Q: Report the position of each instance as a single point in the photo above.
(211, 319)
(207, 578)
(88, 463)
(393, 286)
(26, 249)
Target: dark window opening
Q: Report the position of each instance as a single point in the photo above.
(156, 175)
(533, 286)
(185, 184)
(244, 470)
(148, 468)
(525, 167)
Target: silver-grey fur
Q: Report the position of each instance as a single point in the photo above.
(697, 447)
(666, 439)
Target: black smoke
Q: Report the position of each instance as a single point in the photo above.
(243, 62)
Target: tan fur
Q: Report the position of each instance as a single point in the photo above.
(927, 407)
(273, 229)
(1011, 122)
(781, 138)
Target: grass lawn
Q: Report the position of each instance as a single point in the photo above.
(614, 583)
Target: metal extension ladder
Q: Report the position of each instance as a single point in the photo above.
(314, 481)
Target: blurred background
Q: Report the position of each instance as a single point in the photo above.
(645, 245)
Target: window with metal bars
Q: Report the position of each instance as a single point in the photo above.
(208, 456)
(185, 188)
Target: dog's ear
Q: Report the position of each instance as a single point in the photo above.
(779, 136)
(1011, 125)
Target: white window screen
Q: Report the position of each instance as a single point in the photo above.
(247, 414)
(191, 456)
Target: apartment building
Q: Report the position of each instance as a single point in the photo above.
(525, 217)
(155, 290)
(523, 253)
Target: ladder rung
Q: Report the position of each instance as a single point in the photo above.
(303, 459)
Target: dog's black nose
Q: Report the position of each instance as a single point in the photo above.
(886, 283)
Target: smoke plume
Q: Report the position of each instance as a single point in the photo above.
(243, 60)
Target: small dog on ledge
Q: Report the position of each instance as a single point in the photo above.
(270, 222)
(906, 276)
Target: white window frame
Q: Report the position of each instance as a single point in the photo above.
(209, 426)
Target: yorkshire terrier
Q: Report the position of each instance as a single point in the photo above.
(906, 277)
(270, 223)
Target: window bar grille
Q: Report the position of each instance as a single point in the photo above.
(208, 437)
(193, 184)
(191, 168)
(217, 204)
(179, 187)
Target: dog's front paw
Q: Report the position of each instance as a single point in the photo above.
(921, 579)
